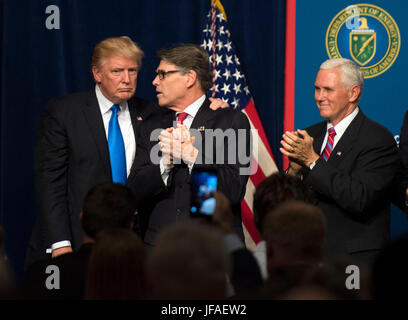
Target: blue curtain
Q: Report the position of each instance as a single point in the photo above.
(38, 63)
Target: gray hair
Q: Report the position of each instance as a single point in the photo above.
(351, 73)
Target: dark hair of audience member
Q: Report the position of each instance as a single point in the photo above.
(116, 266)
(189, 261)
(276, 189)
(108, 204)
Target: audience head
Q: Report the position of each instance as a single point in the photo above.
(188, 262)
(294, 234)
(108, 205)
(276, 189)
(116, 266)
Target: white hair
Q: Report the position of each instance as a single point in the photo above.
(351, 73)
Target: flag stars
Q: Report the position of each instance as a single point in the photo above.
(246, 90)
(235, 103)
(237, 75)
(228, 59)
(218, 59)
(217, 74)
(215, 88)
(219, 45)
(228, 45)
(220, 16)
(226, 88)
(236, 60)
(209, 44)
(227, 74)
(237, 88)
(221, 30)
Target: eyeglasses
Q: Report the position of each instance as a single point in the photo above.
(162, 73)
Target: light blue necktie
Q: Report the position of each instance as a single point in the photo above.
(116, 148)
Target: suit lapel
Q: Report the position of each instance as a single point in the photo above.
(319, 137)
(94, 119)
(202, 116)
(347, 140)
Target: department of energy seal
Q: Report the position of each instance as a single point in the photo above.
(366, 34)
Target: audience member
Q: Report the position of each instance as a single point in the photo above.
(294, 233)
(116, 267)
(189, 262)
(272, 191)
(106, 205)
(245, 274)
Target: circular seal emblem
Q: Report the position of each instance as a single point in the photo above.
(366, 34)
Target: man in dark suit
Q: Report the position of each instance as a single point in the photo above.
(107, 205)
(349, 160)
(163, 177)
(72, 152)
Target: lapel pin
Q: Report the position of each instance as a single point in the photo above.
(139, 118)
(339, 153)
(201, 128)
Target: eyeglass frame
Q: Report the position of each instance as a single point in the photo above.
(162, 73)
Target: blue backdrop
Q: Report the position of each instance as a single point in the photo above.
(385, 96)
(38, 63)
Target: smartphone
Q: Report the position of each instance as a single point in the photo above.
(204, 185)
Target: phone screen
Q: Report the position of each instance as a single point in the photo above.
(204, 185)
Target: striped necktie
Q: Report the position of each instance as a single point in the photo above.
(329, 145)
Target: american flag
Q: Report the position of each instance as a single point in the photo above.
(229, 84)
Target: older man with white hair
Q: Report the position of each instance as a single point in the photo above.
(349, 160)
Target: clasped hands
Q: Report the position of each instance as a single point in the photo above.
(298, 147)
(176, 144)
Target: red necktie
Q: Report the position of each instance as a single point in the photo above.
(181, 117)
(329, 145)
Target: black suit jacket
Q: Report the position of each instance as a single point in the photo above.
(71, 157)
(161, 205)
(354, 186)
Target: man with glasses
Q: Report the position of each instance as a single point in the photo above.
(187, 142)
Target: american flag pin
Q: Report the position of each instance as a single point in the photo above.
(339, 153)
(201, 129)
(139, 118)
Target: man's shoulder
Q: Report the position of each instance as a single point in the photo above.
(231, 116)
(70, 102)
(144, 107)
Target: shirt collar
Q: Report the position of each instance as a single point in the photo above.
(192, 109)
(343, 124)
(104, 103)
